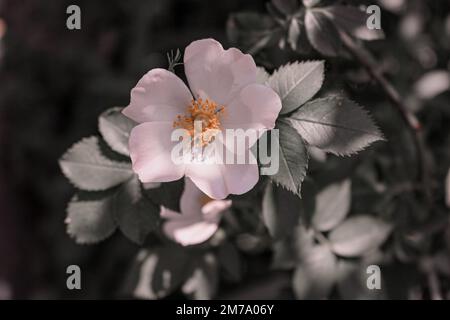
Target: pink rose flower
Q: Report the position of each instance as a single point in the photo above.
(199, 218)
(226, 96)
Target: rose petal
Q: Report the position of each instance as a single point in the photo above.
(190, 232)
(219, 180)
(256, 106)
(150, 150)
(215, 73)
(159, 96)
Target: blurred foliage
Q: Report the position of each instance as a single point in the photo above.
(56, 82)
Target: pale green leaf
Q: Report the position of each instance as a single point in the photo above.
(358, 235)
(332, 206)
(316, 274)
(336, 125)
(90, 221)
(297, 83)
(88, 169)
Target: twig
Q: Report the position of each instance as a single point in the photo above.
(411, 121)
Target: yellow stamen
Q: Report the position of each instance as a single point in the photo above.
(204, 112)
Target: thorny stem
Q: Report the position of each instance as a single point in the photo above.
(411, 121)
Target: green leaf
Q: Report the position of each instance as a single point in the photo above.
(90, 221)
(168, 194)
(332, 206)
(86, 167)
(315, 276)
(297, 83)
(280, 210)
(293, 159)
(115, 129)
(321, 32)
(336, 125)
(136, 216)
(230, 261)
(262, 75)
(250, 31)
(358, 235)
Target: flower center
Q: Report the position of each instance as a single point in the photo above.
(201, 121)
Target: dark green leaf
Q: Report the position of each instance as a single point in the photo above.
(280, 210)
(322, 34)
(136, 216)
(293, 159)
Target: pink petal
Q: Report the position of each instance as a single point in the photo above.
(219, 180)
(215, 73)
(256, 106)
(150, 150)
(159, 96)
(208, 178)
(189, 232)
(190, 202)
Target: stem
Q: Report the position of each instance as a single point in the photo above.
(413, 124)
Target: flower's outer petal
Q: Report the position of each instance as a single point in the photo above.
(217, 181)
(215, 73)
(241, 178)
(208, 178)
(158, 96)
(151, 150)
(188, 232)
(213, 209)
(191, 200)
(256, 106)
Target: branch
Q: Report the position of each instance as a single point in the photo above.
(413, 124)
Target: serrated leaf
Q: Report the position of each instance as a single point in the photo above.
(322, 33)
(358, 235)
(136, 216)
(86, 167)
(297, 83)
(332, 206)
(115, 129)
(315, 276)
(353, 21)
(336, 125)
(262, 75)
(280, 210)
(293, 159)
(90, 221)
